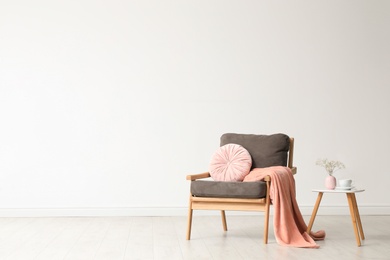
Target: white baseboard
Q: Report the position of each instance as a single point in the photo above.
(92, 212)
(171, 211)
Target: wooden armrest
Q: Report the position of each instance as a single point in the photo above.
(198, 176)
(294, 170)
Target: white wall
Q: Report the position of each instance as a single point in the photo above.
(106, 106)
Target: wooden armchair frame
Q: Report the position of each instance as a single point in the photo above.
(222, 204)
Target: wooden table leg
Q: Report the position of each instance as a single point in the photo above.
(353, 217)
(357, 214)
(313, 215)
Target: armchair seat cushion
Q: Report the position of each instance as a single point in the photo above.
(225, 189)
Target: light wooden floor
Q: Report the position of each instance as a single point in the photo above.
(111, 238)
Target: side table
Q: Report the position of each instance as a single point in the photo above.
(353, 208)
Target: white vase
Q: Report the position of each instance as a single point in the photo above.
(330, 182)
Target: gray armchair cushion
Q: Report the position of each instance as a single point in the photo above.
(224, 189)
(266, 150)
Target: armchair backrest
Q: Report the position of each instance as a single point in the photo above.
(266, 150)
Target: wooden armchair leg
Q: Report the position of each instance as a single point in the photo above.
(189, 220)
(266, 224)
(266, 214)
(224, 225)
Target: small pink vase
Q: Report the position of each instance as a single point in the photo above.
(330, 182)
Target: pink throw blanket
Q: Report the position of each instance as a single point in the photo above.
(289, 225)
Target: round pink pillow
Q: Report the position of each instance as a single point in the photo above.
(230, 162)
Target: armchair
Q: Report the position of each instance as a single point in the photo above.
(265, 150)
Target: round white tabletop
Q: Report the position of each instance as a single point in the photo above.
(354, 190)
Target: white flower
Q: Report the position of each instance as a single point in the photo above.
(330, 166)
